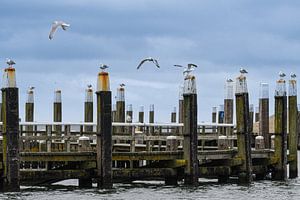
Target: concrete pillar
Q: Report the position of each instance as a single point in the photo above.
(88, 108)
(293, 134)
(190, 143)
(264, 113)
(11, 160)
(243, 129)
(280, 154)
(29, 117)
(256, 114)
(104, 132)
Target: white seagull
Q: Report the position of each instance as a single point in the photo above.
(10, 62)
(281, 74)
(229, 80)
(103, 67)
(89, 86)
(55, 25)
(31, 88)
(293, 75)
(122, 85)
(243, 71)
(150, 59)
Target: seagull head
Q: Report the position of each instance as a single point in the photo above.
(293, 75)
(281, 74)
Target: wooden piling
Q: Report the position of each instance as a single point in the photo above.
(191, 171)
(173, 120)
(88, 108)
(120, 108)
(180, 108)
(29, 117)
(228, 108)
(141, 117)
(293, 134)
(151, 128)
(243, 130)
(251, 118)
(57, 111)
(214, 118)
(280, 154)
(256, 114)
(11, 160)
(104, 132)
(129, 115)
(264, 113)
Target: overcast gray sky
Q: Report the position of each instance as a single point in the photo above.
(218, 35)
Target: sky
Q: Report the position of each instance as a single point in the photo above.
(220, 36)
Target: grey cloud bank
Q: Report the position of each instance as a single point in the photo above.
(220, 36)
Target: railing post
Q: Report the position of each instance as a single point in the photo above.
(104, 132)
(280, 171)
(11, 159)
(264, 113)
(293, 135)
(190, 143)
(243, 129)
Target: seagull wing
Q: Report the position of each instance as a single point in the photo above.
(177, 65)
(142, 62)
(53, 29)
(156, 63)
(65, 26)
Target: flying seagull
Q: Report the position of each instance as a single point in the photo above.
(103, 67)
(150, 59)
(281, 74)
(293, 75)
(55, 25)
(122, 85)
(243, 71)
(10, 62)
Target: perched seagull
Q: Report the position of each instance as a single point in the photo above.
(55, 25)
(281, 74)
(103, 67)
(31, 88)
(89, 86)
(122, 85)
(150, 59)
(293, 75)
(229, 80)
(10, 62)
(243, 71)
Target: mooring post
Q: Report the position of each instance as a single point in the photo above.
(214, 118)
(243, 129)
(29, 117)
(280, 168)
(256, 114)
(264, 114)
(190, 143)
(151, 128)
(221, 119)
(120, 108)
(251, 118)
(293, 135)
(104, 132)
(88, 108)
(129, 115)
(228, 108)
(10, 159)
(180, 108)
(57, 111)
(173, 120)
(141, 117)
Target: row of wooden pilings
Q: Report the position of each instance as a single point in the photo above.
(188, 103)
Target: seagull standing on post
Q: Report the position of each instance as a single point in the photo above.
(10, 62)
(281, 74)
(150, 59)
(55, 25)
(243, 71)
(293, 75)
(103, 67)
(122, 85)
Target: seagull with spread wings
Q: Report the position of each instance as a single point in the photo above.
(150, 59)
(55, 25)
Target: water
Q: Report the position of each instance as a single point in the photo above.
(141, 190)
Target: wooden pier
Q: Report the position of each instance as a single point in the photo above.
(106, 152)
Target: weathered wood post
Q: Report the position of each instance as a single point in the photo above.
(88, 108)
(256, 114)
(104, 132)
(151, 128)
(10, 159)
(120, 107)
(293, 135)
(221, 119)
(190, 143)
(280, 171)
(264, 113)
(214, 118)
(228, 108)
(180, 108)
(243, 129)
(114, 112)
(29, 117)
(173, 120)
(129, 115)
(141, 117)
(251, 117)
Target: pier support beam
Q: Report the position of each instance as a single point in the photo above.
(264, 114)
(293, 134)
(11, 160)
(280, 170)
(243, 129)
(104, 132)
(190, 143)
